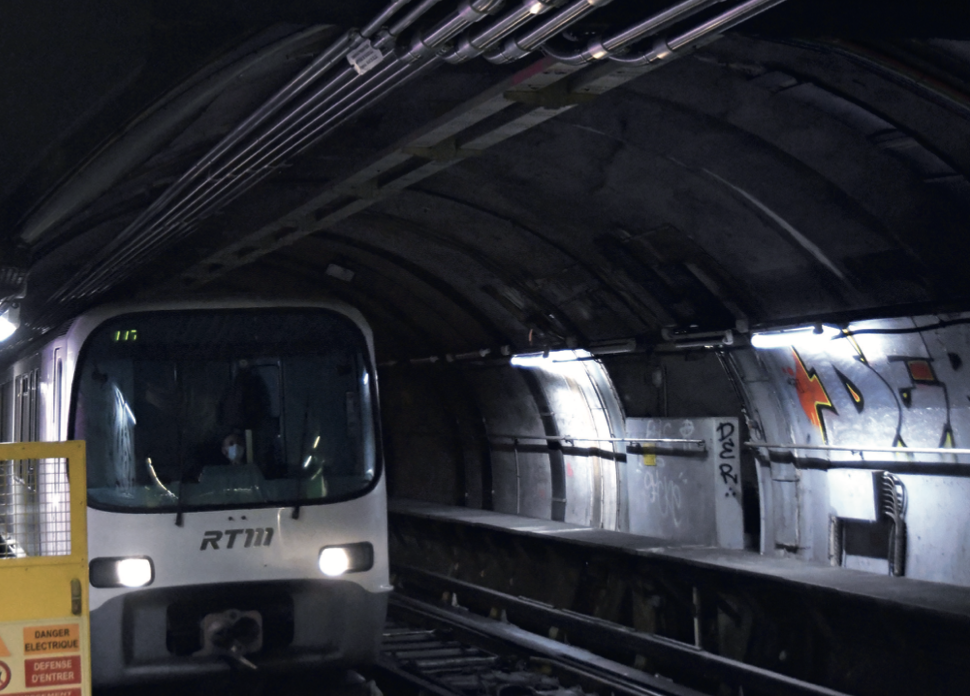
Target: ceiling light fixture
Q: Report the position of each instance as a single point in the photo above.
(796, 337)
(9, 322)
(548, 359)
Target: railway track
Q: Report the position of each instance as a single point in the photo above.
(445, 651)
(596, 647)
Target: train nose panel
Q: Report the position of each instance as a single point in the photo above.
(195, 630)
(230, 622)
(232, 634)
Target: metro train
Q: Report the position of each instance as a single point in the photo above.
(236, 504)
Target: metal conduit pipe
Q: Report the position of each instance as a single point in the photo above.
(723, 22)
(314, 137)
(471, 47)
(301, 140)
(382, 18)
(663, 49)
(207, 196)
(156, 126)
(120, 265)
(311, 138)
(469, 12)
(319, 66)
(314, 103)
(516, 48)
(411, 17)
(325, 94)
(597, 49)
(652, 24)
(315, 100)
(157, 233)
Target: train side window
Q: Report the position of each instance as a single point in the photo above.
(24, 416)
(58, 382)
(25, 422)
(7, 411)
(34, 406)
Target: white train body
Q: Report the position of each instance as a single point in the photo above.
(229, 443)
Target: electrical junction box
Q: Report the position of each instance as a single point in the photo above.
(854, 494)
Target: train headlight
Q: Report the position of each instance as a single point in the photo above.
(122, 572)
(351, 558)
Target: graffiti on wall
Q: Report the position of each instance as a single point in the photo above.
(879, 389)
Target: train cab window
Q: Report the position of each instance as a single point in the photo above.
(201, 409)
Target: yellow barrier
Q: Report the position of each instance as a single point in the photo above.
(44, 611)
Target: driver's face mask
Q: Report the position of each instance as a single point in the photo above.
(234, 452)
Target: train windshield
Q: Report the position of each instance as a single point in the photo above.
(188, 410)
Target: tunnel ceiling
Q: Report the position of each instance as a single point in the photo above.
(811, 165)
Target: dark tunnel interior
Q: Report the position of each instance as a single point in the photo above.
(707, 287)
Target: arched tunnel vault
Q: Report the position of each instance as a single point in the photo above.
(725, 191)
(647, 229)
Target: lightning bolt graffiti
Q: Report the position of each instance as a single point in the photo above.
(812, 395)
(855, 394)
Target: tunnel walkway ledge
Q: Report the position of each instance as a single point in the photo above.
(947, 602)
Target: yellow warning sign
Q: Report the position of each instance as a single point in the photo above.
(43, 654)
(51, 639)
(45, 637)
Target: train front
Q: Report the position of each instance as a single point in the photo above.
(237, 512)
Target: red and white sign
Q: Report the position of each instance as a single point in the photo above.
(44, 657)
(52, 671)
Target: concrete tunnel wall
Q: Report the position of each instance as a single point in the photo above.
(901, 390)
(892, 383)
(442, 428)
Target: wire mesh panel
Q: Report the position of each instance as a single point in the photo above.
(44, 567)
(35, 515)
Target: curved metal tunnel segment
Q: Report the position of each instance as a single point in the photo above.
(557, 464)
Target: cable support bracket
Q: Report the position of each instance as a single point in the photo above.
(554, 97)
(445, 151)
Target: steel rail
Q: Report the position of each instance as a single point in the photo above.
(578, 662)
(599, 634)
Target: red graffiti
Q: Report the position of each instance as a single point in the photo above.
(921, 371)
(811, 394)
